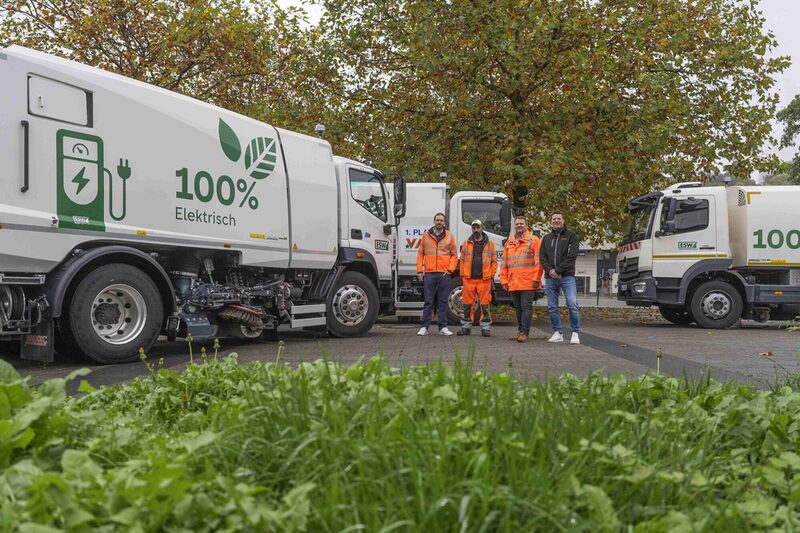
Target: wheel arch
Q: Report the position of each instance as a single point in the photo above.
(60, 284)
(709, 270)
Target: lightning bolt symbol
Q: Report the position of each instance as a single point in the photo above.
(80, 180)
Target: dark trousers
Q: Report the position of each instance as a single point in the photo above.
(523, 305)
(435, 284)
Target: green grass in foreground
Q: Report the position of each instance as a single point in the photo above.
(322, 447)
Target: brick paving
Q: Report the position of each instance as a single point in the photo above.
(611, 346)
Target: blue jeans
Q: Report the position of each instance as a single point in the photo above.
(435, 283)
(570, 288)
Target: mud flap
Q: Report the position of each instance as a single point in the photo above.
(38, 344)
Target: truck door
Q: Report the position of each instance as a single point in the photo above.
(685, 234)
(368, 217)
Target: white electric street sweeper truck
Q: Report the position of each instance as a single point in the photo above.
(128, 211)
(713, 255)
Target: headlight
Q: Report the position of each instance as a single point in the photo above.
(639, 287)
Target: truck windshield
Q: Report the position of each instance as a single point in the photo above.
(639, 224)
(489, 212)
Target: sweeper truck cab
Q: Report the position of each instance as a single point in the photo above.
(128, 212)
(713, 255)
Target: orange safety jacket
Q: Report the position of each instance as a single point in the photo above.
(520, 268)
(437, 256)
(489, 259)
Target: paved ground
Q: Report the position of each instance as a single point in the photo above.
(613, 346)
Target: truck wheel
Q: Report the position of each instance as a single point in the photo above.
(716, 305)
(352, 306)
(455, 305)
(115, 310)
(677, 315)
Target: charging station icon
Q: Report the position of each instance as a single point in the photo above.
(81, 182)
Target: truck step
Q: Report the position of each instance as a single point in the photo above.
(13, 279)
(300, 319)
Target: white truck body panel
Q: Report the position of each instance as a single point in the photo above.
(764, 226)
(184, 187)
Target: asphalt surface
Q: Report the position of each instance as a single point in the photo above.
(751, 354)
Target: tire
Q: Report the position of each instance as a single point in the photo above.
(677, 315)
(455, 306)
(716, 305)
(113, 311)
(352, 305)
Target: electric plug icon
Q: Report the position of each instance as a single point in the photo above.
(123, 169)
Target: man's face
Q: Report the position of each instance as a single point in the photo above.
(557, 221)
(476, 229)
(520, 225)
(438, 222)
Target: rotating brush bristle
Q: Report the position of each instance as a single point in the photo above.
(248, 316)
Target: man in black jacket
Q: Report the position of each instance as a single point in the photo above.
(558, 254)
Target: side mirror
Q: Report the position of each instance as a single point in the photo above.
(668, 229)
(505, 216)
(399, 197)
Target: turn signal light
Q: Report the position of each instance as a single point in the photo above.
(359, 254)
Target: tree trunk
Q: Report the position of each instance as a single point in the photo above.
(520, 195)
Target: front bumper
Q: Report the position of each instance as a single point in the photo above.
(639, 291)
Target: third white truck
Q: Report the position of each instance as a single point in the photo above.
(713, 255)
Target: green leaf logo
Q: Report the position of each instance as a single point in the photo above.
(260, 157)
(229, 141)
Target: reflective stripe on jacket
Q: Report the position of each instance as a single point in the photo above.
(488, 259)
(437, 256)
(520, 268)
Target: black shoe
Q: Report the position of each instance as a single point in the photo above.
(486, 333)
(462, 332)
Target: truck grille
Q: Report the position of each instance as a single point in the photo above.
(629, 268)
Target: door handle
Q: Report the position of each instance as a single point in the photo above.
(26, 153)
(356, 234)
(707, 247)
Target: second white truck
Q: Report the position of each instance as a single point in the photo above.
(713, 255)
(423, 201)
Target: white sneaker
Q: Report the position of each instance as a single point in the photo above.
(557, 337)
(422, 332)
(446, 332)
(575, 339)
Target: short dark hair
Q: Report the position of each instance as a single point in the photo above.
(437, 214)
(556, 212)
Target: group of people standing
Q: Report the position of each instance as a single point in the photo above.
(526, 260)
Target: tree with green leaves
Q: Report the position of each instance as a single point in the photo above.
(790, 116)
(254, 58)
(575, 104)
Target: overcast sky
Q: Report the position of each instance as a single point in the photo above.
(783, 19)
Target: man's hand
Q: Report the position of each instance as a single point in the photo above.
(505, 286)
(420, 275)
(553, 273)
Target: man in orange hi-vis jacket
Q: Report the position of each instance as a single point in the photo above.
(477, 268)
(521, 274)
(436, 261)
